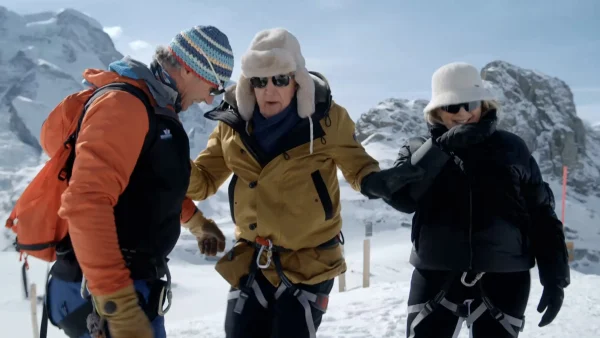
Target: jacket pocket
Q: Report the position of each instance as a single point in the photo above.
(323, 194)
(231, 193)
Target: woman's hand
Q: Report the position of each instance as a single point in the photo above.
(385, 183)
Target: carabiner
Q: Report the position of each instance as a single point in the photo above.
(269, 253)
(162, 311)
(477, 278)
(166, 289)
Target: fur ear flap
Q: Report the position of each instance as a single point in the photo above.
(305, 94)
(244, 95)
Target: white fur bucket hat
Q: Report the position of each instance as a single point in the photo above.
(273, 52)
(456, 83)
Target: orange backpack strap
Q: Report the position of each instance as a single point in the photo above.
(65, 173)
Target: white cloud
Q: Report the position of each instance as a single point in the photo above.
(114, 32)
(139, 45)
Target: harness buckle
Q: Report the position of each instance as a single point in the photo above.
(473, 282)
(239, 304)
(268, 244)
(438, 297)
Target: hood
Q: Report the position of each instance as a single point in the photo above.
(132, 71)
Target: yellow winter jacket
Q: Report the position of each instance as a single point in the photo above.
(293, 198)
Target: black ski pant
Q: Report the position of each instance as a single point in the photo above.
(284, 317)
(508, 292)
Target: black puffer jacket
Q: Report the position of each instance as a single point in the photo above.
(487, 210)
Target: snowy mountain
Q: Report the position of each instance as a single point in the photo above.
(596, 126)
(541, 110)
(42, 57)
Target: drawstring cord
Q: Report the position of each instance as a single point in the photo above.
(311, 134)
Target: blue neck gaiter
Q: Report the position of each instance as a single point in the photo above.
(267, 132)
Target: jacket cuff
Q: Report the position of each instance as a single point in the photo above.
(188, 210)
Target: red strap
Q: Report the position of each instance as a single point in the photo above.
(262, 241)
(322, 302)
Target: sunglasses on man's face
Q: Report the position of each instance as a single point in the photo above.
(278, 81)
(455, 108)
(217, 91)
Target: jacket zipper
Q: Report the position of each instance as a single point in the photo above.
(464, 171)
(470, 227)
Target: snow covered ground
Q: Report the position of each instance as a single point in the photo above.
(199, 294)
(378, 311)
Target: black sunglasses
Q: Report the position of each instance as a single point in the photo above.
(217, 91)
(455, 108)
(278, 81)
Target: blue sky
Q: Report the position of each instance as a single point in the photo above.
(374, 49)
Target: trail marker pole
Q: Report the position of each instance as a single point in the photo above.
(564, 194)
(367, 255)
(342, 278)
(33, 302)
(570, 244)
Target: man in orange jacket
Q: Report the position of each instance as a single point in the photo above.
(128, 184)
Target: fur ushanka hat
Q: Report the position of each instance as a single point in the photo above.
(273, 52)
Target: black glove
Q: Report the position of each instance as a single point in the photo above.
(385, 183)
(551, 302)
(465, 135)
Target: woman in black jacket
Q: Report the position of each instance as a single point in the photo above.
(483, 217)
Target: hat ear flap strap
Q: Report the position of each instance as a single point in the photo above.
(305, 94)
(244, 95)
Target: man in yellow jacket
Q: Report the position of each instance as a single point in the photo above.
(283, 138)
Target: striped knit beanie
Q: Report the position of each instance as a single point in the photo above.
(191, 46)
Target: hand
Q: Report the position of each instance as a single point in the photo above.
(465, 135)
(125, 317)
(385, 183)
(398, 177)
(210, 238)
(551, 302)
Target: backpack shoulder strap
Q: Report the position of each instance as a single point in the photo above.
(65, 174)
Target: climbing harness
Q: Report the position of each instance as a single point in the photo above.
(307, 299)
(86, 318)
(463, 311)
